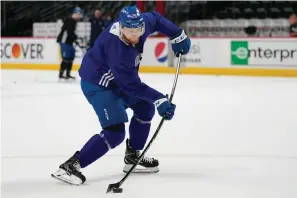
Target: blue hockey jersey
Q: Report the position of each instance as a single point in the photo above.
(114, 64)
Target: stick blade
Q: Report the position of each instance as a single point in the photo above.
(113, 187)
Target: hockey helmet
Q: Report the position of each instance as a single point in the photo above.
(131, 17)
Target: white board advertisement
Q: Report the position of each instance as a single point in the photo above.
(34, 50)
(249, 52)
(264, 52)
(29, 50)
(155, 52)
(206, 53)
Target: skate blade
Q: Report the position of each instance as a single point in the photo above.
(68, 80)
(140, 169)
(61, 175)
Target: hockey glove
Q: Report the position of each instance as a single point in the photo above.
(180, 43)
(165, 108)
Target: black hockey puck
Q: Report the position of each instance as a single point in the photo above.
(117, 190)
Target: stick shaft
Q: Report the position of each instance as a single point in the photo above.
(158, 128)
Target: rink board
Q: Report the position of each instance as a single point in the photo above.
(213, 56)
(191, 70)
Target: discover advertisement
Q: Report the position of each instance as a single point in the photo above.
(17, 50)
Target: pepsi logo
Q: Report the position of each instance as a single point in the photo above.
(161, 52)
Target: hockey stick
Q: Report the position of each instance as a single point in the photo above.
(116, 186)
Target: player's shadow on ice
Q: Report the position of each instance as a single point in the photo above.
(201, 173)
(113, 178)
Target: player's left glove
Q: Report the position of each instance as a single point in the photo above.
(165, 108)
(180, 43)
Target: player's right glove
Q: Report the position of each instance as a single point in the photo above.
(165, 108)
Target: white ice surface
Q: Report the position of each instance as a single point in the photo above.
(232, 137)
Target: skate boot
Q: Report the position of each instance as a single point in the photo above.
(69, 172)
(61, 76)
(146, 165)
(68, 71)
(69, 77)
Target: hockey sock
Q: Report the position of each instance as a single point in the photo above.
(92, 150)
(99, 144)
(139, 131)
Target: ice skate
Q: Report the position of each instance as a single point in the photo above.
(146, 164)
(69, 77)
(61, 76)
(69, 172)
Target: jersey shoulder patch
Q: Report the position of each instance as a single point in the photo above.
(115, 30)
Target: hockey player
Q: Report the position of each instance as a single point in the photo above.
(66, 38)
(110, 83)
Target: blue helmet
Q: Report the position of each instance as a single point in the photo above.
(131, 17)
(77, 10)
